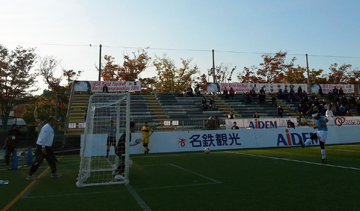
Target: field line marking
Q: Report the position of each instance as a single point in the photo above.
(297, 161)
(200, 175)
(8, 206)
(136, 196)
(27, 193)
(116, 191)
(75, 194)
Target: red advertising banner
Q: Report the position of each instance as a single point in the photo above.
(107, 86)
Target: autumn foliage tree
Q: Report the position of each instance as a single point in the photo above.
(248, 75)
(223, 73)
(272, 70)
(16, 79)
(129, 70)
(171, 78)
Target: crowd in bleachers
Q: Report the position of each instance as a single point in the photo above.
(337, 102)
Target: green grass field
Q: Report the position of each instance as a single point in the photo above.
(261, 179)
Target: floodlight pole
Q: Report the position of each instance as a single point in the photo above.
(308, 74)
(213, 68)
(99, 79)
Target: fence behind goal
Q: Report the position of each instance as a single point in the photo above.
(100, 157)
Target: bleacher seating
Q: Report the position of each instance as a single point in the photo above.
(246, 110)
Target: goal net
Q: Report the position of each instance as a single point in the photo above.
(104, 146)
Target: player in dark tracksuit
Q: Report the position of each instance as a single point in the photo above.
(120, 150)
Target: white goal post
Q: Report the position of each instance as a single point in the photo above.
(104, 161)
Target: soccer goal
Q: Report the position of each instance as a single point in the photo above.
(108, 118)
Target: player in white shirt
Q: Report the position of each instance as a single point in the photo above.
(43, 150)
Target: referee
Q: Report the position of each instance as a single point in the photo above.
(43, 149)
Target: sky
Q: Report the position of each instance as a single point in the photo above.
(239, 31)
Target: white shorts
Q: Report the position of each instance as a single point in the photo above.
(322, 135)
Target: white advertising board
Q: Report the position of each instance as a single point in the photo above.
(258, 123)
(163, 142)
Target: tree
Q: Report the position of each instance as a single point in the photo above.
(339, 75)
(273, 68)
(248, 75)
(130, 69)
(202, 82)
(148, 85)
(16, 79)
(47, 70)
(223, 74)
(171, 78)
(71, 76)
(295, 75)
(316, 77)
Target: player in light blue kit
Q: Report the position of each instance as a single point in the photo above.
(320, 134)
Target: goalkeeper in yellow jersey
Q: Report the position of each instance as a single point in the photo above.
(146, 132)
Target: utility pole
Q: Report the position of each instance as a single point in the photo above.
(213, 68)
(100, 63)
(308, 74)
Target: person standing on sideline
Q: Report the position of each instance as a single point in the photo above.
(146, 132)
(234, 127)
(280, 111)
(11, 143)
(44, 150)
(321, 134)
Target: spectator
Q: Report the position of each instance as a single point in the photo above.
(335, 91)
(212, 102)
(331, 95)
(273, 100)
(280, 111)
(320, 91)
(231, 93)
(337, 106)
(299, 90)
(329, 113)
(333, 108)
(248, 98)
(348, 113)
(216, 123)
(352, 101)
(189, 91)
(231, 115)
(252, 92)
(234, 127)
(210, 122)
(341, 91)
(204, 106)
(358, 105)
(342, 110)
(344, 101)
(280, 94)
(256, 115)
(197, 89)
(301, 118)
(105, 89)
(225, 93)
(300, 108)
(290, 124)
(304, 94)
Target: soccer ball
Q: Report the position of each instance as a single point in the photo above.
(207, 150)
